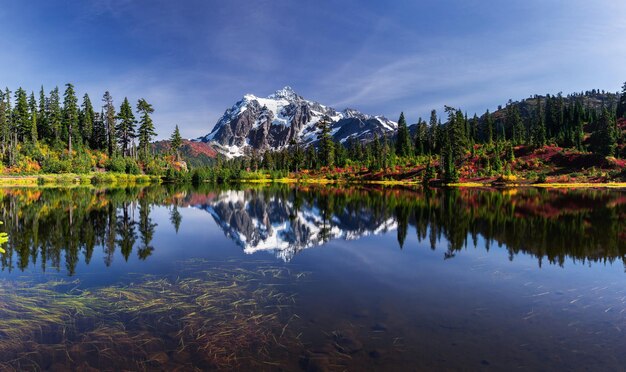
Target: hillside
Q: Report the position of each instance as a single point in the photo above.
(193, 152)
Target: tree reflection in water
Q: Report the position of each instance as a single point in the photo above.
(51, 225)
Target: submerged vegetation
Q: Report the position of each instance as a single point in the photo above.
(219, 317)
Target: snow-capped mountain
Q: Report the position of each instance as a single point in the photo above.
(255, 123)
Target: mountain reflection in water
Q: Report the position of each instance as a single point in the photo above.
(59, 226)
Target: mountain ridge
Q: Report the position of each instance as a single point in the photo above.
(256, 124)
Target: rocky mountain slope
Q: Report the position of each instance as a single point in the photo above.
(276, 121)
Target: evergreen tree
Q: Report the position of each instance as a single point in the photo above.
(99, 135)
(420, 137)
(604, 139)
(55, 116)
(70, 115)
(403, 142)
(5, 119)
(109, 122)
(326, 143)
(175, 142)
(32, 104)
(297, 154)
(86, 120)
(457, 139)
(488, 128)
(515, 124)
(434, 132)
(621, 106)
(42, 120)
(578, 126)
(538, 128)
(376, 150)
(125, 128)
(21, 116)
(146, 127)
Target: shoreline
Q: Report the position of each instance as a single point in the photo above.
(71, 179)
(468, 184)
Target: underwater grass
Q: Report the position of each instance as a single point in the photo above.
(219, 318)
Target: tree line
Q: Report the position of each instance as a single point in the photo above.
(586, 121)
(54, 127)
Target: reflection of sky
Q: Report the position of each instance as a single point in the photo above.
(476, 298)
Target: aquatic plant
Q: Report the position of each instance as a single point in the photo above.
(4, 237)
(217, 318)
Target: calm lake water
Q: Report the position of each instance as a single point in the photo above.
(312, 278)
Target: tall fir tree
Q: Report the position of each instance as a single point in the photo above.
(146, 127)
(21, 116)
(538, 127)
(55, 116)
(433, 135)
(420, 137)
(70, 115)
(86, 120)
(32, 105)
(42, 116)
(403, 141)
(488, 127)
(125, 128)
(109, 123)
(604, 139)
(5, 120)
(99, 135)
(326, 143)
(621, 106)
(175, 142)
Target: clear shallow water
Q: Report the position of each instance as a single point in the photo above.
(313, 278)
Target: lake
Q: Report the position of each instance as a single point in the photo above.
(312, 278)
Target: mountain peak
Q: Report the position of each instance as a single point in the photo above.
(285, 93)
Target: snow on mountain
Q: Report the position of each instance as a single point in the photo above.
(273, 122)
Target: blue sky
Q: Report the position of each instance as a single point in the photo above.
(193, 59)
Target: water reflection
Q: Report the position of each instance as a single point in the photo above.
(57, 227)
(585, 225)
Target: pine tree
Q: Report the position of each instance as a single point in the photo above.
(32, 104)
(297, 154)
(21, 116)
(604, 139)
(55, 116)
(5, 119)
(488, 128)
(42, 116)
(109, 122)
(125, 128)
(86, 120)
(70, 115)
(175, 142)
(420, 137)
(621, 106)
(538, 129)
(403, 142)
(433, 133)
(326, 143)
(456, 133)
(146, 127)
(376, 151)
(514, 123)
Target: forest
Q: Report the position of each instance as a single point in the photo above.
(551, 138)
(53, 133)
